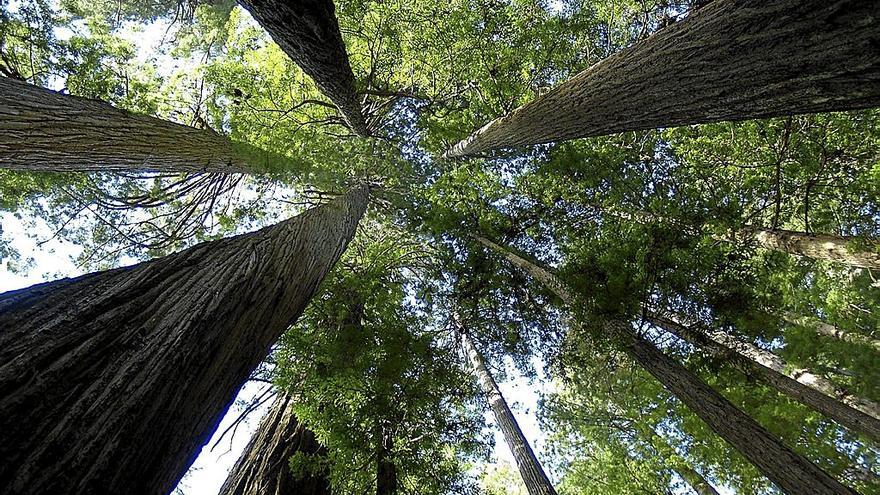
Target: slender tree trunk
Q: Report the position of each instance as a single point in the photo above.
(817, 246)
(264, 468)
(112, 381)
(690, 475)
(308, 32)
(814, 391)
(730, 60)
(530, 469)
(43, 130)
(791, 472)
(386, 471)
(827, 330)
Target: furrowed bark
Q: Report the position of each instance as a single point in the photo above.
(814, 391)
(43, 130)
(112, 381)
(308, 32)
(533, 475)
(264, 468)
(729, 60)
(822, 328)
(816, 246)
(791, 472)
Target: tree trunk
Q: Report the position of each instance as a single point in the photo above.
(817, 246)
(791, 472)
(814, 391)
(264, 468)
(827, 330)
(690, 475)
(730, 60)
(308, 32)
(386, 471)
(43, 130)
(530, 469)
(112, 381)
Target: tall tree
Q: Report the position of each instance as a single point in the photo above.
(730, 60)
(822, 328)
(386, 471)
(815, 391)
(790, 471)
(533, 475)
(43, 130)
(837, 248)
(150, 355)
(264, 466)
(308, 32)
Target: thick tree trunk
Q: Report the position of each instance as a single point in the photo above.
(690, 475)
(533, 475)
(814, 391)
(817, 246)
(308, 32)
(264, 468)
(730, 60)
(791, 472)
(827, 330)
(43, 130)
(386, 471)
(112, 381)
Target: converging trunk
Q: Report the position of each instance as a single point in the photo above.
(533, 475)
(308, 32)
(729, 60)
(46, 131)
(386, 471)
(112, 381)
(264, 468)
(690, 475)
(814, 391)
(791, 472)
(822, 328)
(846, 250)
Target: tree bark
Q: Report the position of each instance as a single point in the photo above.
(814, 391)
(827, 330)
(533, 475)
(694, 479)
(386, 471)
(791, 472)
(43, 130)
(264, 468)
(112, 381)
(308, 32)
(729, 60)
(816, 246)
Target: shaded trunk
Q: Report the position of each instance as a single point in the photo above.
(730, 60)
(43, 130)
(841, 249)
(827, 330)
(530, 469)
(386, 471)
(791, 472)
(112, 381)
(308, 32)
(814, 391)
(690, 475)
(264, 468)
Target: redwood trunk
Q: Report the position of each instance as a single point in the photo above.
(730, 60)
(43, 130)
(814, 391)
(536, 481)
(791, 472)
(827, 330)
(690, 475)
(386, 471)
(264, 468)
(818, 246)
(308, 32)
(111, 382)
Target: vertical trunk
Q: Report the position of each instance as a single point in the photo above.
(263, 467)
(827, 330)
(112, 381)
(791, 472)
(690, 475)
(814, 391)
(730, 60)
(817, 246)
(386, 471)
(43, 130)
(308, 32)
(530, 469)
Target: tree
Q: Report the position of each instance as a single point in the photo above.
(264, 466)
(817, 246)
(43, 130)
(822, 328)
(787, 469)
(536, 481)
(729, 60)
(152, 354)
(308, 32)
